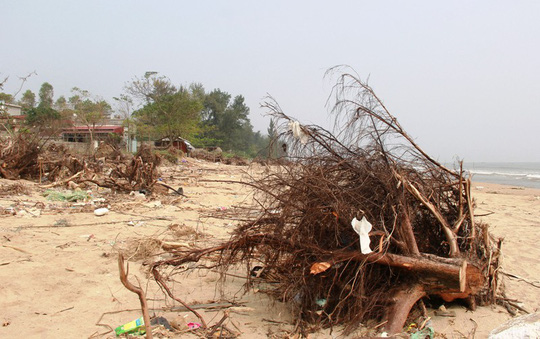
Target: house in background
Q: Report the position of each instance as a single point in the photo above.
(11, 116)
(11, 109)
(82, 133)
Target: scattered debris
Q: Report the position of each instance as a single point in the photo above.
(71, 196)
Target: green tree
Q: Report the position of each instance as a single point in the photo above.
(170, 116)
(61, 103)
(235, 127)
(228, 122)
(88, 110)
(215, 104)
(150, 88)
(41, 116)
(45, 121)
(273, 141)
(46, 94)
(166, 111)
(197, 91)
(28, 100)
(6, 98)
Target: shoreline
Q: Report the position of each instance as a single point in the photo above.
(482, 186)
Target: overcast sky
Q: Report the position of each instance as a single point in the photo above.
(462, 77)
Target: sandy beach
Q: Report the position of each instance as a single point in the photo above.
(59, 268)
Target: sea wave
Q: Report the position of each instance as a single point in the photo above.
(515, 174)
(506, 174)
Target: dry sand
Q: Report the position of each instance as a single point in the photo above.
(59, 270)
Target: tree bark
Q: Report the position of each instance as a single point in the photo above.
(401, 303)
(139, 292)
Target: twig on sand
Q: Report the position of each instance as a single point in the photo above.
(515, 276)
(219, 324)
(162, 284)
(179, 191)
(65, 309)
(211, 306)
(96, 223)
(16, 249)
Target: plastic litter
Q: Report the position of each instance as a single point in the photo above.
(161, 321)
(363, 227)
(135, 326)
(71, 196)
(101, 211)
(320, 302)
(427, 332)
(298, 133)
(193, 326)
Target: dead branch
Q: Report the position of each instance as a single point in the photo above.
(63, 182)
(139, 292)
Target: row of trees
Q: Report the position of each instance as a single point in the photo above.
(153, 108)
(212, 118)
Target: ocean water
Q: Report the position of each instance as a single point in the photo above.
(523, 174)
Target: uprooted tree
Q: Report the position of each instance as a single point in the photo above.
(424, 239)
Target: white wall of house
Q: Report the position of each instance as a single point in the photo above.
(11, 109)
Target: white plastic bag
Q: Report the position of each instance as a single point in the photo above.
(298, 133)
(363, 227)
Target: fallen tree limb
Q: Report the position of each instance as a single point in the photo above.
(65, 181)
(452, 273)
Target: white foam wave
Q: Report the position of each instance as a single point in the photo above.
(506, 174)
(533, 176)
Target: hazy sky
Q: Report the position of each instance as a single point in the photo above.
(462, 77)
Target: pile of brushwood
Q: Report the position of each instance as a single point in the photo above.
(424, 240)
(24, 156)
(18, 156)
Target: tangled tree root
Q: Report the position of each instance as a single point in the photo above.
(424, 238)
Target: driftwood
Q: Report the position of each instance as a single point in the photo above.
(424, 238)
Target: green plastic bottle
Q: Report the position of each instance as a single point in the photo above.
(133, 327)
